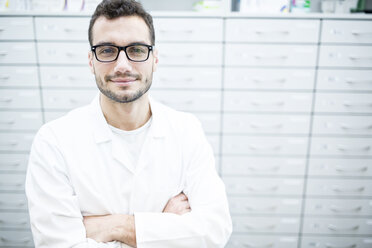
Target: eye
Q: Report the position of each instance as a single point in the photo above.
(106, 50)
(137, 49)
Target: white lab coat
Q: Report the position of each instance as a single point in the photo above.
(77, 168)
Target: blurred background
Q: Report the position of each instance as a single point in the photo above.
(283, 90)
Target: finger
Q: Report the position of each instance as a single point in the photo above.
(181, 196)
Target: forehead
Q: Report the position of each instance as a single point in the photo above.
(121, 31)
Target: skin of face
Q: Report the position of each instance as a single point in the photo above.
(122, 81)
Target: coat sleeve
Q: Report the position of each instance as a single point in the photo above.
(209, 222)
(55, 217)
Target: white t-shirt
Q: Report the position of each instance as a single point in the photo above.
(132, 140)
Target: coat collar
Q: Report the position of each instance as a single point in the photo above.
(102, 131)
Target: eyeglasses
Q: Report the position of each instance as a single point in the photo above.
(110, 53)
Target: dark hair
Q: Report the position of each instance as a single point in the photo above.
(112, 9)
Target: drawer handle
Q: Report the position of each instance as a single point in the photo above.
(356, 81)
(263, 32)
(3, 53)
(4, 77)
(261, 126)
(6, 99)
(13, 164)
(348, 127)
(79, 79)
(70, 54)
(274, 80)
(354, 57)
(347, 170)
(283, 57)
(11, 143)
(19, 222)
(279, 103)
(256, 209)
(13, 204)
(357, 32)
(336, 228)
(70, 30)
(338, 209)
(339, 189)
(7, 122)
(12, 184)
(262, 189)
(249, 245)
(16, 241)
(348, 149)
(262, 168)
(328, 245)
(268, 227)
(256, 147)
(350, 105)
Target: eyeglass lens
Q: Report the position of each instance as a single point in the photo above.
(110, 53)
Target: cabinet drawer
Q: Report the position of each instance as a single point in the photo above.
(342, 125)
(270, 55)
(12, 182)
(18, 238)
(189, 100)
(14, 220)
(266, 225)
(16, 141)
(20, 120)
(345, 56)
(266, 124)
(262, 166)
(267, 101)
(259, 241)
(346, 31)
(341, 146)
(248, 145)
(52, 115)
(339, 187)
(187, 78)
(344, 80)
(17, 53)
(67, 77)
(335, 242)
(239, 186)
(16, 28)
(190, 54)
(338, 207)
(280, 79)
(343, 103)
(188, 29)
(13, 162)
(19, 76)
(16, 99)
(340, 167)
(63, 53)
(264, 205)
(214, 141)
(337, 226)
(13, 201)
(59, 28)
(257, 30)
(210, 122)
(67, 99)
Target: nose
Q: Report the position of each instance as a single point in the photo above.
(122, 63)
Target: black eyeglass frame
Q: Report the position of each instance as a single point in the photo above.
(122, 48)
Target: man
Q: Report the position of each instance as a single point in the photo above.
(125, 170)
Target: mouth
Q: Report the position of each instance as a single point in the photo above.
(124, 81)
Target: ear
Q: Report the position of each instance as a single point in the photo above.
(156, 59)
(90, 62)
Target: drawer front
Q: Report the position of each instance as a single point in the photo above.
(20, 99)
(188, 29)
(67, 99)
(187, 78)
(214, 141)
(264, 205)
(247, 145)
(246, 78)
(345, 56)
(14, 221)
(270, 55)
(267, 101)
(257, 30)
(16, 141)
(190, 54)
(189, 100)
(338, 207)
(347, 31)
(17, 53)
(262, 166)
(335, 242)
(343, 103)
(57, 28)
(52, 115)
(266, 225)
(10, 202)
(339, 187)
(18, 238)
(16, 28)
(63, 53)
(12, 182)
(67, 77)
(344, 80)
(266, 124)
(210, 122)
(13, 162)
(19, 76)
(337, 226)
(342, 125)
(341, 146)
(340, 167)
(259, 241)
(12, 121)
(241, 186)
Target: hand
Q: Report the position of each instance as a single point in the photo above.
(178, 204)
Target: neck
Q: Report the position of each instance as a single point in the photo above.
(126, 116)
